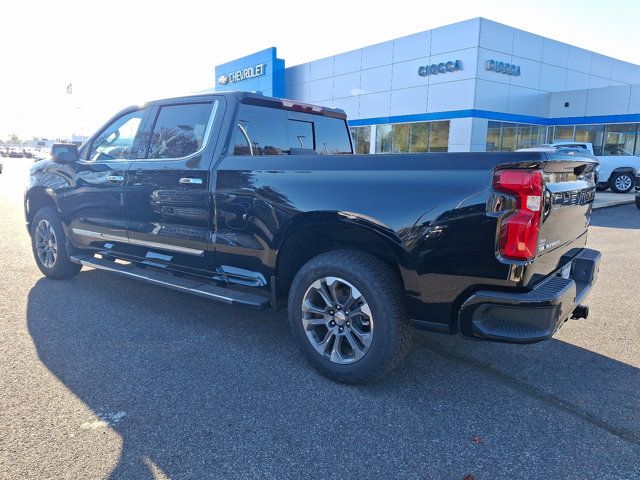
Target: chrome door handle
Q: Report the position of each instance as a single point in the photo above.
(115, 178)
(191, 181)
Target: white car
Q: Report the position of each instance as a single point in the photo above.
(617, 172)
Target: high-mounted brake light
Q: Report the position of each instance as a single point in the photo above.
(302, 107)
(519, 230)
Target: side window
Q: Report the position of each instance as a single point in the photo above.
(117, 140)
(332, 136)
(265, 128)
(241, 143)
(179, 130)
(270, 131)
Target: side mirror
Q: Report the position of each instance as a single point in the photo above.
(64, 153)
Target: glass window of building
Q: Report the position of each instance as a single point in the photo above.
(413, 137)
(494, 136)
(439, 137)
(384, 139)
(401, 134)
(509, 137)
(361, 139)
(593, 134)
(526, 136)
(563, 133)
(541, 135)
(419, 138)
(620, 139)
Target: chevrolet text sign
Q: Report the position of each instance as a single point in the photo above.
(244, 74)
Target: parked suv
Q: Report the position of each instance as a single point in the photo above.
(257, 201)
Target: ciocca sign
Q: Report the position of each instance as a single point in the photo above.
(442, 67)
(503, 67)
(244, 74)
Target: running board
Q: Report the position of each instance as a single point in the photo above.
(165, 279)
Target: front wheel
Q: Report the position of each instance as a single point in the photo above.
(347, 315)
(622, 182)
(48, 242)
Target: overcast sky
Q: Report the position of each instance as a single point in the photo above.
(118, 53)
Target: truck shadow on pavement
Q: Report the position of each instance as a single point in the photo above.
(622, 216)
(203, 390)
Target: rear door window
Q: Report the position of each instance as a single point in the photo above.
(179, 130)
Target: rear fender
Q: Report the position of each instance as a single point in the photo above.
(344, 230)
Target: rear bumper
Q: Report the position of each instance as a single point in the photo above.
(530, 316)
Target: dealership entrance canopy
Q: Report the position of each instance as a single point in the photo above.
(471, 86)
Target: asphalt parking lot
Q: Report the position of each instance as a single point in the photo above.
(101, 377)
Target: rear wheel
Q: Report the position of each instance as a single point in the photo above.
(346, 313)
(49, 245)
(621, 182)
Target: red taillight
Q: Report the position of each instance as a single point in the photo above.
(519, 230)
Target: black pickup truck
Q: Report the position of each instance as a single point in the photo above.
(259, 201)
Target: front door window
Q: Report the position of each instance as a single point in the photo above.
(117, 141)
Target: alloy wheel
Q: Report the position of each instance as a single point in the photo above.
(623, 182)
(337, 320)
(46, 243)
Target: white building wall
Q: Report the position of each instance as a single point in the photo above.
(382, 81)
(617, 100)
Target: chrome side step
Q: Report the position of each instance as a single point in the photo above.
(166, 279)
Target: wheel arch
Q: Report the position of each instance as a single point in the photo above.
(34, 200)
(631, 170)
(312, 234)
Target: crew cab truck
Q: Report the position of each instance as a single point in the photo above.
(259, 201)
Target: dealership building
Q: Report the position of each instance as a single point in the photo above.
(475, 85)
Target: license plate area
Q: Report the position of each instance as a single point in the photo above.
(565, 272)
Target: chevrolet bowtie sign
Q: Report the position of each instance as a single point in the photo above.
(244, 74)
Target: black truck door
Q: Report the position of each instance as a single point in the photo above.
(93, 205)
(169, 190)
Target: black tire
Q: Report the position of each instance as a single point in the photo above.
(637, 201)
(379, 285)
(601, 187)
(616, 176)
(61, 267)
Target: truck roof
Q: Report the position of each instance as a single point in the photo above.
(254, 98)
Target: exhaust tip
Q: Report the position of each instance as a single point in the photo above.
(581, 311)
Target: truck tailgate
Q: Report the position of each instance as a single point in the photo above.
(566, 211)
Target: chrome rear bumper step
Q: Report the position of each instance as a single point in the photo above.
(166, 279)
